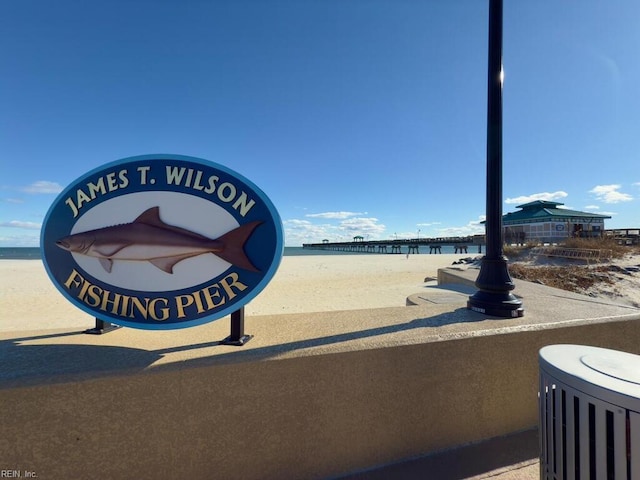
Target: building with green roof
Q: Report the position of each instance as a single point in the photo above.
(546, 222)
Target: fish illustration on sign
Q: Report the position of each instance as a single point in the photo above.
(149, 239)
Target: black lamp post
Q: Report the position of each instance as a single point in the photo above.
(494, 296)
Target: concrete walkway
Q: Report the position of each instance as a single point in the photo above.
(511, 457)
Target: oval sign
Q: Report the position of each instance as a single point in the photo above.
(161, 242)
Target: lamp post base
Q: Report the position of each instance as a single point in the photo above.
(505, 305)
(494, 296)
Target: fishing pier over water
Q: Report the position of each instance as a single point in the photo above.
(360, 245)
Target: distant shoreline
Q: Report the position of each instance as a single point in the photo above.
(33, 253)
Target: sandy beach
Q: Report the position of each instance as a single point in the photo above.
(310, 283)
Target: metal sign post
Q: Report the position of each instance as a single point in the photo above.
(237, 338)
(102, 327)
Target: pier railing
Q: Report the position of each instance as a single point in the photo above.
(574, 253)
(411, 245)
(624, 236)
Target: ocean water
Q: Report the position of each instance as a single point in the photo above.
(20, 253)
(33, 253)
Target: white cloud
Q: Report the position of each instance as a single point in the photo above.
(295, 223)
(19, 224)
(26, 240)
(304, 226)
(474, 227)
(13, 200)
(334, 215)
(551, 197)
(610, 194)
(362, 226)
(297, 232)
(43, 186)
(592, 207)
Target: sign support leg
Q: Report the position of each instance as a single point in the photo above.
(237, 338)
(102, 327)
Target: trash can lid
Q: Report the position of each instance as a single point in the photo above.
(599, 372)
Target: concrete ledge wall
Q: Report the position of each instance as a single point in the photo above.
(450, 276)
(299, 418)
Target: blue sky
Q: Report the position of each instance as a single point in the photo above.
(355, 117)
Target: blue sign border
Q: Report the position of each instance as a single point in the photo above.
(267, 241)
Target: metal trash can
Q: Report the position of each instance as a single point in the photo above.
(589, 413)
